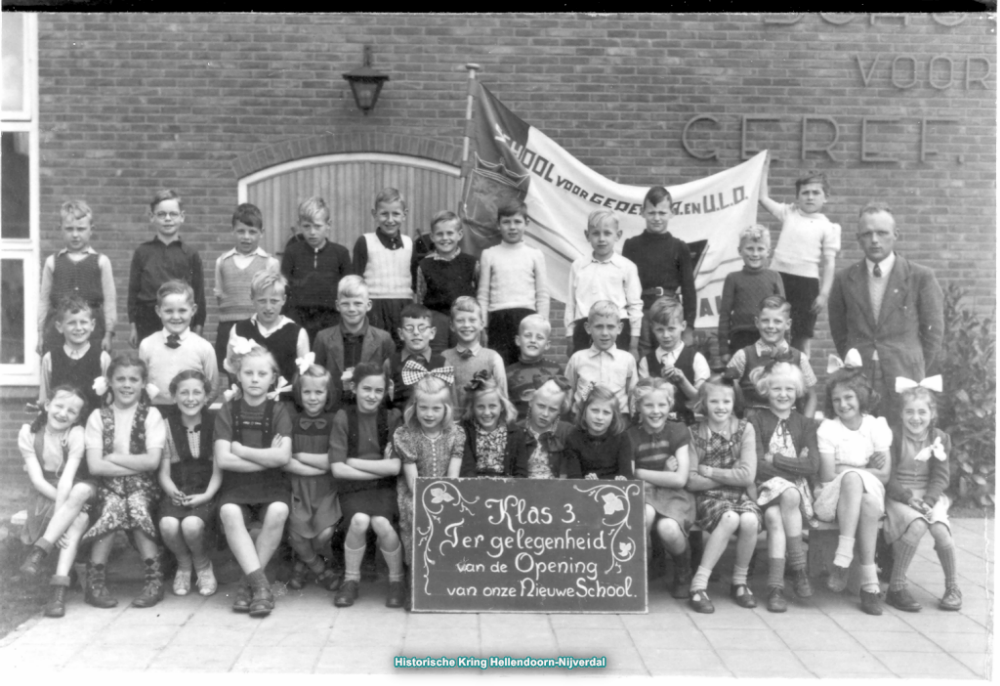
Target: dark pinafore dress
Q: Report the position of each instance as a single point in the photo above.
(315, 506)
(191, 473)
(373, 497)
(127, 502)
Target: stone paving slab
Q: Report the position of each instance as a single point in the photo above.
(825, 637)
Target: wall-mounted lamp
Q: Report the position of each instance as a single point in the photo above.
(366, 83)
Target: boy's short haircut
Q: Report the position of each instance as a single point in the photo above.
(75, 209)
(812, 176)
(265, 280)
(512, 208)
(314, 209)
(538, 320)
(756, 233)
(598, 217)
(388, 195)
(656, 195)
(249, 214)
(466, 303)
(445, 216)
(352, 286)
(414, 311)
(666, 310)
(603, 308)
(163, 196)
(775, 302)
(72, 304)
(175, 287)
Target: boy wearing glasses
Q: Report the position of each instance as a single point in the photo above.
(417, 332)
(159, 260)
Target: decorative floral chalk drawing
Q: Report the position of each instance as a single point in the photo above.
(435, 497)
(615, 499)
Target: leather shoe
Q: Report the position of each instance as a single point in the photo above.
(700, 603)
(776, 599)
(902, 600)
(743, 596)
(838, 579)
(800, 583)
(952, 599)
(397, 594)
(347, 594)
(243, 596)
(681, 589)
(870, 603)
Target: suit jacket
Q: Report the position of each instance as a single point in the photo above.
(376, 347)
(910, 326)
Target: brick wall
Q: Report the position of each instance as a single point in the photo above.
(130, 103)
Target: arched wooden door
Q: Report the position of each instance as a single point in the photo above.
(348, 182)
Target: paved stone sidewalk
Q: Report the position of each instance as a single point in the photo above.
(828, 637)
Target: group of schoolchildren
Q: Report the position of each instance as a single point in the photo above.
(351, 378)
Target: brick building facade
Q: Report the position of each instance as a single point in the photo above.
(896, 107)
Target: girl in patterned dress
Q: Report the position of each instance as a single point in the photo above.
(366, 474)
(52, 448)
(660, 454)
(190, 478)
(854, 466)
(124, 441)
(786, 457)
(429, 443)
(915, 499)
(494, 445)
(723, 467)
(315, 507)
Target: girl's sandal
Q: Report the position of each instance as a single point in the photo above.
(700, 603)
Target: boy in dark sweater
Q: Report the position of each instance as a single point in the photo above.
(664, 264)
(743, 291)
(444, 275)
(314, 266)
(527, 374)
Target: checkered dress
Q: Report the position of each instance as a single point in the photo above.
(719, 452)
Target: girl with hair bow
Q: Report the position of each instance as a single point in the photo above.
(494, 444)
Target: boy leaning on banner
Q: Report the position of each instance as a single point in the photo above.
(664, 264)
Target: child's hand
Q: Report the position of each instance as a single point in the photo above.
(633, 350)
(195, 500)
(769, 457)
(705, 471)
(819, 304)
(673, 464)
(919, 505)
(804, 454)
(725, 358)
(592, 476)
(621, 477)
(236, 448)
(276, 440)
(133, 337)
(877, 460)
(106, 342)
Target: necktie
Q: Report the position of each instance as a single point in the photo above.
(877, 271)
(173, 341)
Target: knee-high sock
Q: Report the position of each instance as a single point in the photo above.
(795, 553)
(352, 562)
(947, 558)
(776, 573)
(394, 561)
(902, 556)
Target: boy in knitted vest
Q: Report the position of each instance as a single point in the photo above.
(234, 271)
(78, 271)
(383, 259)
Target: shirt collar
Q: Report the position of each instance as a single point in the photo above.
(282, 320)
(181, 336)
(661, 354)
(258, 251)
(595, 351)
(612, 259)
(87, 251)
(885, 265)
(157, 239)
(396, 239)
(435, 255)
(474, 348)
(360, 334)
(425, 355)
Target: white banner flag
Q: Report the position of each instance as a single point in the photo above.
(516, 160)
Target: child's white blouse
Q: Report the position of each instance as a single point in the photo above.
(156, 430)
(853, 448)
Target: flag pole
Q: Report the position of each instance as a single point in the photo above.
(472, 67)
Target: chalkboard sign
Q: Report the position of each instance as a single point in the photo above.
(528, 545)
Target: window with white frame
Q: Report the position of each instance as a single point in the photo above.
(19, 238)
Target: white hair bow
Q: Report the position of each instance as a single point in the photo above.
(232, 393)
(852, 360)
(283, 387)
(931, 383)
(305, 362)
(935, 450)
(239, 346)
(100, 386)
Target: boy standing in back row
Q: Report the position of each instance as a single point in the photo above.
(664, 264)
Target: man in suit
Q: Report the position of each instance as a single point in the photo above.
(887, 307)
